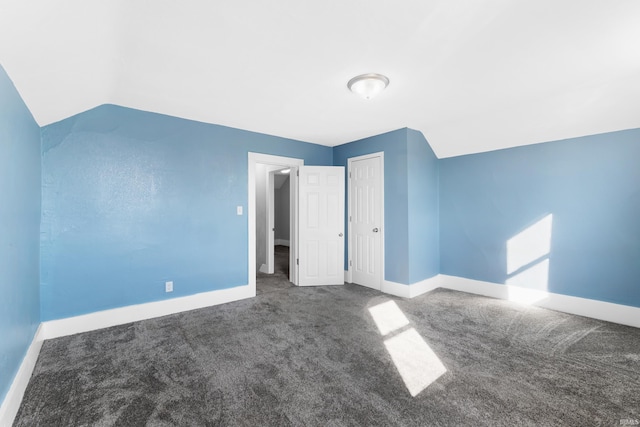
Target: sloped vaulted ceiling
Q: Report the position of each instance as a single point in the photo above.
(471, 75)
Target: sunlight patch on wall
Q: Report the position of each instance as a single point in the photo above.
(530, 244)
(528, 262)
(416, 362)
(534, 277)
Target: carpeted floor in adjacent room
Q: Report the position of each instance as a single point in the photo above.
(336, 356)
(279, 280)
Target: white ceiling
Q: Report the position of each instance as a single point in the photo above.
(471, 75)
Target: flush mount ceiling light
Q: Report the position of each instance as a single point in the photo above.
(285, 171)
(368, 85)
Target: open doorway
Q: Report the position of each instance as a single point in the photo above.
(280, 216)
(271, 196)
(316, 206)
(273, 228)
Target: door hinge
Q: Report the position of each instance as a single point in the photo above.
(349, 218)
(297, 173)
(297, 261)
(349, 174)
(350, 263)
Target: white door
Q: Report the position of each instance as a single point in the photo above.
(321, 225)
(366, 220)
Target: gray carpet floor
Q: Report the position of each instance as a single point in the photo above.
(319, 357)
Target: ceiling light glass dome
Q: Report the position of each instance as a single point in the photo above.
(368, 85)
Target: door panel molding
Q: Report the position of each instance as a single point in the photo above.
(353, 254)
(321, 225)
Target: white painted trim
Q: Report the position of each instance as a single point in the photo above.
(424, 286)
(350, 160)
(397, 289)
(478, 287)
(11, 402)
(413, 290)
(134, 313)
(270, 221)
(264, 269)
(294, 219)
(252, 160)
(610, 312)
(281, 242)
(347, 276)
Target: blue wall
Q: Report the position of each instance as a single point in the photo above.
(591, 187)
(19, 230)
(411, 202)
(423, 210)
(396, 234)
(131, 199)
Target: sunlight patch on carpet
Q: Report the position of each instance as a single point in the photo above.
(388, 317)
(418, 365)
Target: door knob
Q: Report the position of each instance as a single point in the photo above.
(375, 230)
(340, 235)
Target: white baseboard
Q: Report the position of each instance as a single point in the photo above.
(281, 242)
(397, 289)
(610, 312)
(424, 286)
(263, 269)
(11, 403)
(472, 286)
(413, 290)
(388, 287)
(134, 313)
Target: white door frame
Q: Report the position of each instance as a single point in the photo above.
(270, 217)
(253, 159)
(349, 273)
